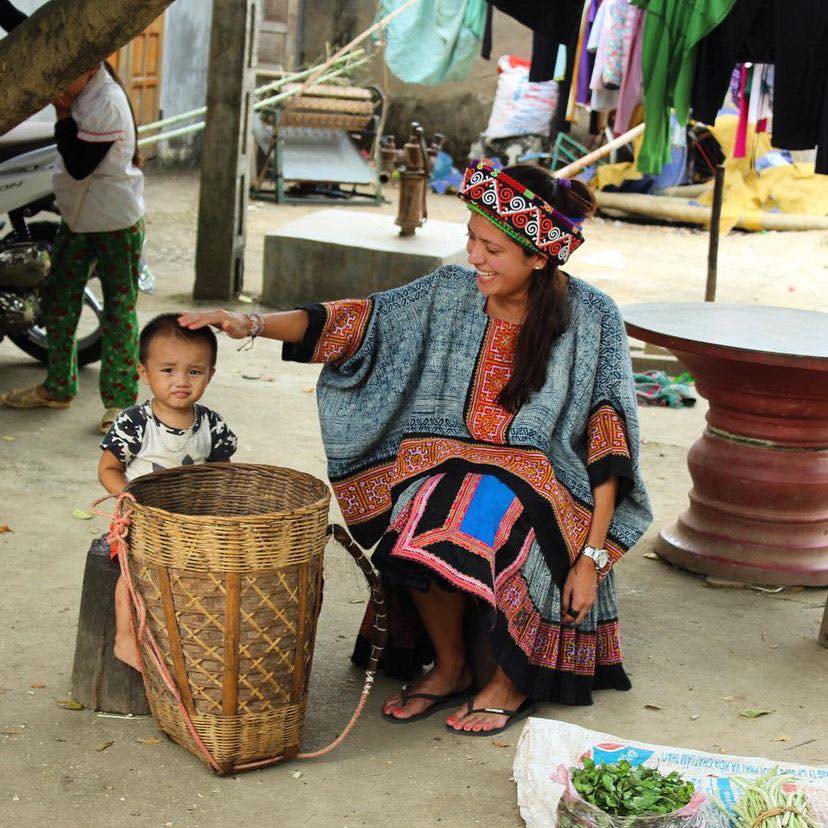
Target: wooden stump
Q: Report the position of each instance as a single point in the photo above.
(823, 630)
(99, 680)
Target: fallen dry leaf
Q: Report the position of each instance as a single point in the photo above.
(11, 731)
(8, 438)
(150, 740)
(104, 745)
(722, 583)
(727, 698)
(755, 712)
(69, 704)
(651, 556)
(652, 707)
(4, 527)
(80, 514)
(781, 739)
(38, 685)
(499, 744)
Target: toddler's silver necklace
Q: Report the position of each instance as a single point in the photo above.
(187, 435)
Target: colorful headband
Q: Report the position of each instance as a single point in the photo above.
(518, 212)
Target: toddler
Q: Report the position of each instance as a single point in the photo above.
(171, 429)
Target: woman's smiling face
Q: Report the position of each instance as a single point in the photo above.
(503, 268)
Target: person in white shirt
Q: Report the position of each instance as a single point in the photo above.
(99, 191)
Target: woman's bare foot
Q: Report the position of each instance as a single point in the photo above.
(439, 681)
(500, 692)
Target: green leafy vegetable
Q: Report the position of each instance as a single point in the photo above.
(619, 789)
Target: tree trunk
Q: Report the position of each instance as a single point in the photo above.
(59, 42)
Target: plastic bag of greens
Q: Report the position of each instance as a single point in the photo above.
(634, 789)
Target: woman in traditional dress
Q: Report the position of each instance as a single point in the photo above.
(481, 425)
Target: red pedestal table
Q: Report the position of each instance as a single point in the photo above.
(759, 503)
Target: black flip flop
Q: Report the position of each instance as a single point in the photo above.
(440, 703)
(527, 708)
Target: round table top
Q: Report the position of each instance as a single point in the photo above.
(757, 333)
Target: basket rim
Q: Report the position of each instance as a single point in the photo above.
(313, 506)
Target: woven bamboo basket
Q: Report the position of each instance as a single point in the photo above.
(225, 564)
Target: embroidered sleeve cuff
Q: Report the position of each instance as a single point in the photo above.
(608, 453)
(303, 351)
(336, 331)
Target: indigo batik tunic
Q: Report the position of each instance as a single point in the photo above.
(462, 493)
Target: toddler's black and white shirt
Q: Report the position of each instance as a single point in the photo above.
(144, 444)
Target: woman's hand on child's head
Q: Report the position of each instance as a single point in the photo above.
(235, 325)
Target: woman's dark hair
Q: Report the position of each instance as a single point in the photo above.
(137, 158)
(166, 324)
(548, 312)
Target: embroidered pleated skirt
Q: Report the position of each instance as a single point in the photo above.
(470, 532)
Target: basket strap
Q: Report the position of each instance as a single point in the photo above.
(117, 534)
(378, 634)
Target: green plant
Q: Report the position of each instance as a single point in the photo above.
(620, 789)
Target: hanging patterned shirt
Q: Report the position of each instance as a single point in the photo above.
(144, 444)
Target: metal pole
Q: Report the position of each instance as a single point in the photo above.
(713, 250)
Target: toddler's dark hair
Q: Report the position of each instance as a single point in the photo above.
(166, 324)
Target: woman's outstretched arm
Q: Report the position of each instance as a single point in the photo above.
(286, 326)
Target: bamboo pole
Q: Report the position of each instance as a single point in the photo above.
(677, 209)
(713, 250)
(187, 130)
(576, 166)
(380, 24)
(277, 84)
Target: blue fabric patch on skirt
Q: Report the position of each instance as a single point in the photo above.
(488, 506)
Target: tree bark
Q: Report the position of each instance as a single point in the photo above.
(59, 42)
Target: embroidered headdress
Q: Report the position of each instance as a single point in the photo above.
(517, 211)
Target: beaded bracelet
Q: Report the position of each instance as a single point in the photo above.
(256, 324)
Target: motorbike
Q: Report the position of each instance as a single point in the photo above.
(28, 156)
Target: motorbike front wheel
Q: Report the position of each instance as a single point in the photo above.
(33, 342)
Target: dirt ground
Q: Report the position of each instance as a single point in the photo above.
(700, 654)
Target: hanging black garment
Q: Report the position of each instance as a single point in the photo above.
(552, 23)
(791, 34)
(10, 17)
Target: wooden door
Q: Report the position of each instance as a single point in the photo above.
(278, 30)
(139, 66)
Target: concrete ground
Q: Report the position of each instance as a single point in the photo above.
(700, 655)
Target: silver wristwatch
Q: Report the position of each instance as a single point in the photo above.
(600, 557)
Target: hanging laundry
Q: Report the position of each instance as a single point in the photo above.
(614, 41)
(672, 31)
(630, 95)
(791, 34)
(434, 41)
(586, 59)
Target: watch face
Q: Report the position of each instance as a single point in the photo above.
(602, 558)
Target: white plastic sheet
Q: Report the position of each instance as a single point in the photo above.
(546, 743)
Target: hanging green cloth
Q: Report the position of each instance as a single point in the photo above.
(434, 41)
(672, 31)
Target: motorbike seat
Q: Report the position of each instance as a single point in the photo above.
(25, 137)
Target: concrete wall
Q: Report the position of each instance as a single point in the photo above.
(184, 71)
(460, 110)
